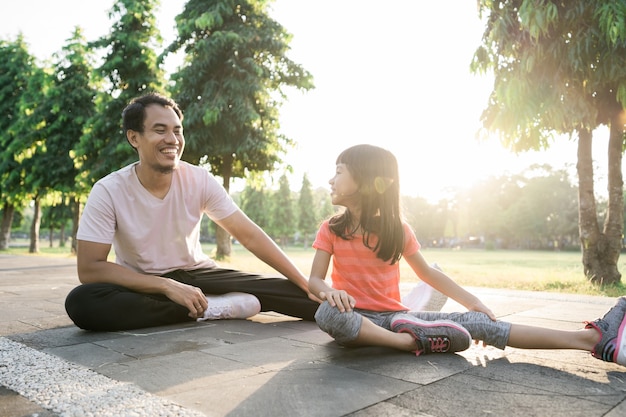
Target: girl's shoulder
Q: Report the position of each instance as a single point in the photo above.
(408, 229)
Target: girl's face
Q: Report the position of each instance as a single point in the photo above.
(343, 188)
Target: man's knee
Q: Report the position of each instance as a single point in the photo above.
(81, 304)
(74, 303)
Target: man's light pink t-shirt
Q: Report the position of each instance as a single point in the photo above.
(151, 235)
(374, 283)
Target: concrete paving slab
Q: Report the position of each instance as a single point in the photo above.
(387, 409)
(324, 391)
(421, 370)
(275, 352)
(476, 393)
(275, 365)
(618, 411)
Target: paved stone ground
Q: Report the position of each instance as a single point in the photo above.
(272, 365)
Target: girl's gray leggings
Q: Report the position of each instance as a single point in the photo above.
(345, 327)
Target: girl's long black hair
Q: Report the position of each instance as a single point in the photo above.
(375, 170)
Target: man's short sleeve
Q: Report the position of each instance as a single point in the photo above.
(97, 222)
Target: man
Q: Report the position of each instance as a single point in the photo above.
(150, 212)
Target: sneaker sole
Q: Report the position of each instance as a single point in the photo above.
(430, 324)
(620, 346)
(244, 306)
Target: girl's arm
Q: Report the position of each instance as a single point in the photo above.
(318, 287)
(443, 283)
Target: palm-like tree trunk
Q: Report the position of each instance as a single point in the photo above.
(5, 228)
(600, 249)
(222, 238)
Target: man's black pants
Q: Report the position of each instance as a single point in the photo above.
(108, 307)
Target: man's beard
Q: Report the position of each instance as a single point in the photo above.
(164, 169)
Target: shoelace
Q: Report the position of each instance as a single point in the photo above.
(439, 344)
(218, 311)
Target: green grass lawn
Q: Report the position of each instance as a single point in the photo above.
(519, 270)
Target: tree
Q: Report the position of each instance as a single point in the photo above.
(231, 87)
(16, 68)
(53, 110)
(308, 219)
(550, 200)
(323, 202)
(129, 69)
(72, 100)
(421, 216)
(29, 147)
(254, 201)
(282, 222)
(560, 68)
(55, 217)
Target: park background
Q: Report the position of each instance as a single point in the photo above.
(396, 75)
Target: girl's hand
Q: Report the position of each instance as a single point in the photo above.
(481, 308)
(340, 299)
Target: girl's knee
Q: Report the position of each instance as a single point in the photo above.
(325, 314)
(343, 327)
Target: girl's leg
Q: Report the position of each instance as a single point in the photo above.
(374, 335)
(531, 337)
(501, 334)
(605, 338)
(363, 328)
(605, 334)
(353, 329)
(107, 307)
(479, 325)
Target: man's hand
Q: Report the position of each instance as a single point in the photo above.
(189, 296)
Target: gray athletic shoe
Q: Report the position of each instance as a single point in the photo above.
(438, 336)
(612, 328)
(233, 305)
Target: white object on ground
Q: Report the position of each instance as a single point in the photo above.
(73, 390)
(423, 297)
(232, 305)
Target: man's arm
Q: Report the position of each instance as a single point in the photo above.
(93, 267)
(253, 238)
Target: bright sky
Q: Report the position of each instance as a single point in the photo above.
(393, 74)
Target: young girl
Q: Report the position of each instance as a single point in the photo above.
(363, 307)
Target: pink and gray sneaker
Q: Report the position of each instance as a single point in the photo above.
(438, 336)
(612, 328)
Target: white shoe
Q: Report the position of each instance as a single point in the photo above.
(234, 305)
(423, 297)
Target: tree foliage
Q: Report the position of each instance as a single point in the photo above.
(283, 222)
(560, 68)
(16, 67)
(129, 69)
(231, 87)
(72, 101)
(232, 83)
(308, 218)
(255, 201)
